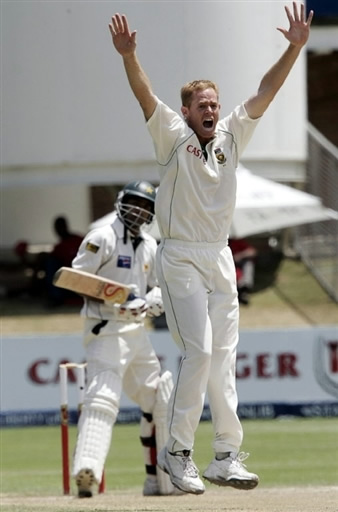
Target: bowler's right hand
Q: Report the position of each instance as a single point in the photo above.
(123, 40)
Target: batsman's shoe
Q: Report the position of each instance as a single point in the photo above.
(231, 472)
(182, 471)
(151, 487)
(85, 480)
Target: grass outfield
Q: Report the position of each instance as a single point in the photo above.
(286, 452)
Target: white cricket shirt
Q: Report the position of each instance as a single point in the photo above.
(196, 198)
(104, 253)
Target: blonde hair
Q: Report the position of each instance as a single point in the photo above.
(188, 90)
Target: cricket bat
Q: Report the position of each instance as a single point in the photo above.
(91, 285)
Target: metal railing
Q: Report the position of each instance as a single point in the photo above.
(317, 243)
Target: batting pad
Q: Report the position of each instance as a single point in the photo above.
(97, 418)
(160, 413)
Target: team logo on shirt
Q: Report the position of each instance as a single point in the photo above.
(123, 261)
(92, 247)
(220, 156)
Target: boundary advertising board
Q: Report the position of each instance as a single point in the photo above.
(279, 372)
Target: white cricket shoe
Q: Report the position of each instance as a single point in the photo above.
(151, 487)
(84, 481)
(182, 471)
(231, 472)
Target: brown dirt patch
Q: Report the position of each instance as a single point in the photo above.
(297, 499)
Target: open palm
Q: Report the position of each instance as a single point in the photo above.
(123, 40)
(299, 29)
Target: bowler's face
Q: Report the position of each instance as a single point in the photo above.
(203, 114)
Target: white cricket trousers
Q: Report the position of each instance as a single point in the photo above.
(129, 355)
(198, 282)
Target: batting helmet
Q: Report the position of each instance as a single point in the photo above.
(129, 212)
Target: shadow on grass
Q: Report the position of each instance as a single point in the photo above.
(292, 305)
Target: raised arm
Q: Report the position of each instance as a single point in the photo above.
(297, 35)
(125, 44)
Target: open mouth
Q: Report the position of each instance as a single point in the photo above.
(208, 123)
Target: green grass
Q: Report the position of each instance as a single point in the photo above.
(283, 452)
(307, 292)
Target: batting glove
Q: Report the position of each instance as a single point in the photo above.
(132, 310)
(154, 302)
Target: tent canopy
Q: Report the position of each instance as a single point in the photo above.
(263, 206)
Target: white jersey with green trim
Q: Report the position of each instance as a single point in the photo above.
(107, 253)
(196, 198)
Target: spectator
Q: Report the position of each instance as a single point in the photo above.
(244, 256)
(47, 264)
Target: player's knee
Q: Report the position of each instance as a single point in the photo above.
(200, 355)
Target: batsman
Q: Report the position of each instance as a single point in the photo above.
(118, 351)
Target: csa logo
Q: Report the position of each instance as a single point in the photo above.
(325, 362)
(220, 156)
